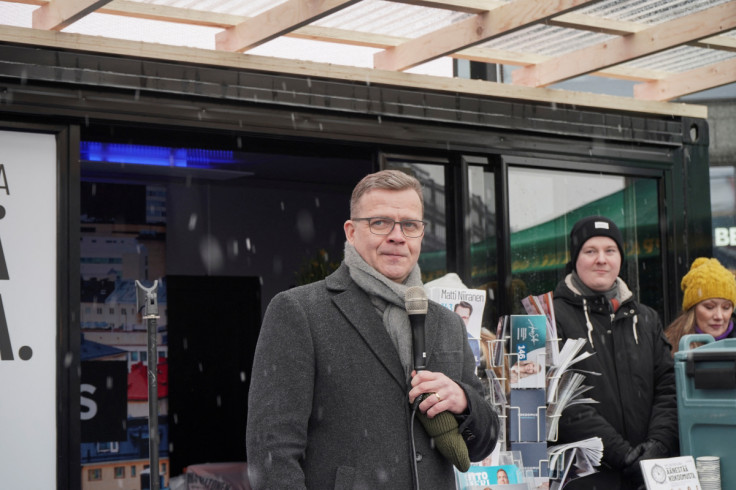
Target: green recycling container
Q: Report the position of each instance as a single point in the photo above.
(706, 401)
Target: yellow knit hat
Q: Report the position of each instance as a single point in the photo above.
(707, 279)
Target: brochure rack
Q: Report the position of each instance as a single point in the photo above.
(531, 410)
(518, 393)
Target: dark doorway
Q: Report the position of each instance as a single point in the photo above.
(213, 325)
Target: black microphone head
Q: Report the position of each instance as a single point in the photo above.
(416, 301)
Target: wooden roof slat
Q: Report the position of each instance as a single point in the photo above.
(166, 13)
(587, 22)
(479, 54)
(503, 57)
(472, 31)
(57, 14)
(344, 36)
(29, 2)
(726, 43)
(180, 15)
(699, 79)
(276, 21)
(467, 6)
(573, 20)
(652, 40)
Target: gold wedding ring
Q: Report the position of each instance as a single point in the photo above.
(439, 398)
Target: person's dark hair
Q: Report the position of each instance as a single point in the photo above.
(464, 304)
(392, 180)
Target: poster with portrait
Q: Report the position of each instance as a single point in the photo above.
(483, 476)
(469, 304)
(527, 357)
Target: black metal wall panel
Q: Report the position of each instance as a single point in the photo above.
(136, 77)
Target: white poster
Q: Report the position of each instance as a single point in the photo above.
(28, 261)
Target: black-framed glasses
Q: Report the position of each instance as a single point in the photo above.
(411, 228)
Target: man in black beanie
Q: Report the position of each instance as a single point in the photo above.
(589, 227)
(636, 416)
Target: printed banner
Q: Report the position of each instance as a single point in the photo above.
(28, 309)
(104, 403)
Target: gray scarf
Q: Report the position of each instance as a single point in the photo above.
(387, 297)
(611, 295)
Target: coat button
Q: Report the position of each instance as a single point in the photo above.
(418, 457)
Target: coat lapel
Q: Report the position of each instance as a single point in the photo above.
(357, 308)
(360, 313)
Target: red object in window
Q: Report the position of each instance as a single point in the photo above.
(138, 381)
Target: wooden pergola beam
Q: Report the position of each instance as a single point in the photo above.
(689, 82)
(275, 22)
(208, 57)
(572, 20)
(175, 15)
(467, 6)
(586, 22)
(652, 40)
(472, 31)
(57, 14)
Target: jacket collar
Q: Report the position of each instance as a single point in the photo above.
(624, 292)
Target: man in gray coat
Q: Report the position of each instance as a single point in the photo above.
(331, 394)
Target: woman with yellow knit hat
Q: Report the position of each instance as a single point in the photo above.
(709, 295)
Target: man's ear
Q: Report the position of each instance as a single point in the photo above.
(349, 228)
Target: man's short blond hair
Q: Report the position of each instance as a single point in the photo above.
(392, 180)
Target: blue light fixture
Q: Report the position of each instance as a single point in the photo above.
(161, 156)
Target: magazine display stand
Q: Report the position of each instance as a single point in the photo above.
(529, 383)
(530, 404)
(522, 370)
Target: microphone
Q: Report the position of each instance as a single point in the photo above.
(416, 303)
(443, 428)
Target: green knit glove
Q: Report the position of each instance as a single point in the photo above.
(443, 429)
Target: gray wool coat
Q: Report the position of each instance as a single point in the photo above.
(328, 405)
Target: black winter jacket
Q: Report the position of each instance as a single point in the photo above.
(636, 386)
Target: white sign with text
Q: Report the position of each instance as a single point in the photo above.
(28, 310)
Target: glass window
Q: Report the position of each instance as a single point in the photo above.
(301, 191)
(108, 447)
(723, 208)
(433, 259)
(543, 207)
(94, 474)
(132, 471)
(120, 472)
(481, 226)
